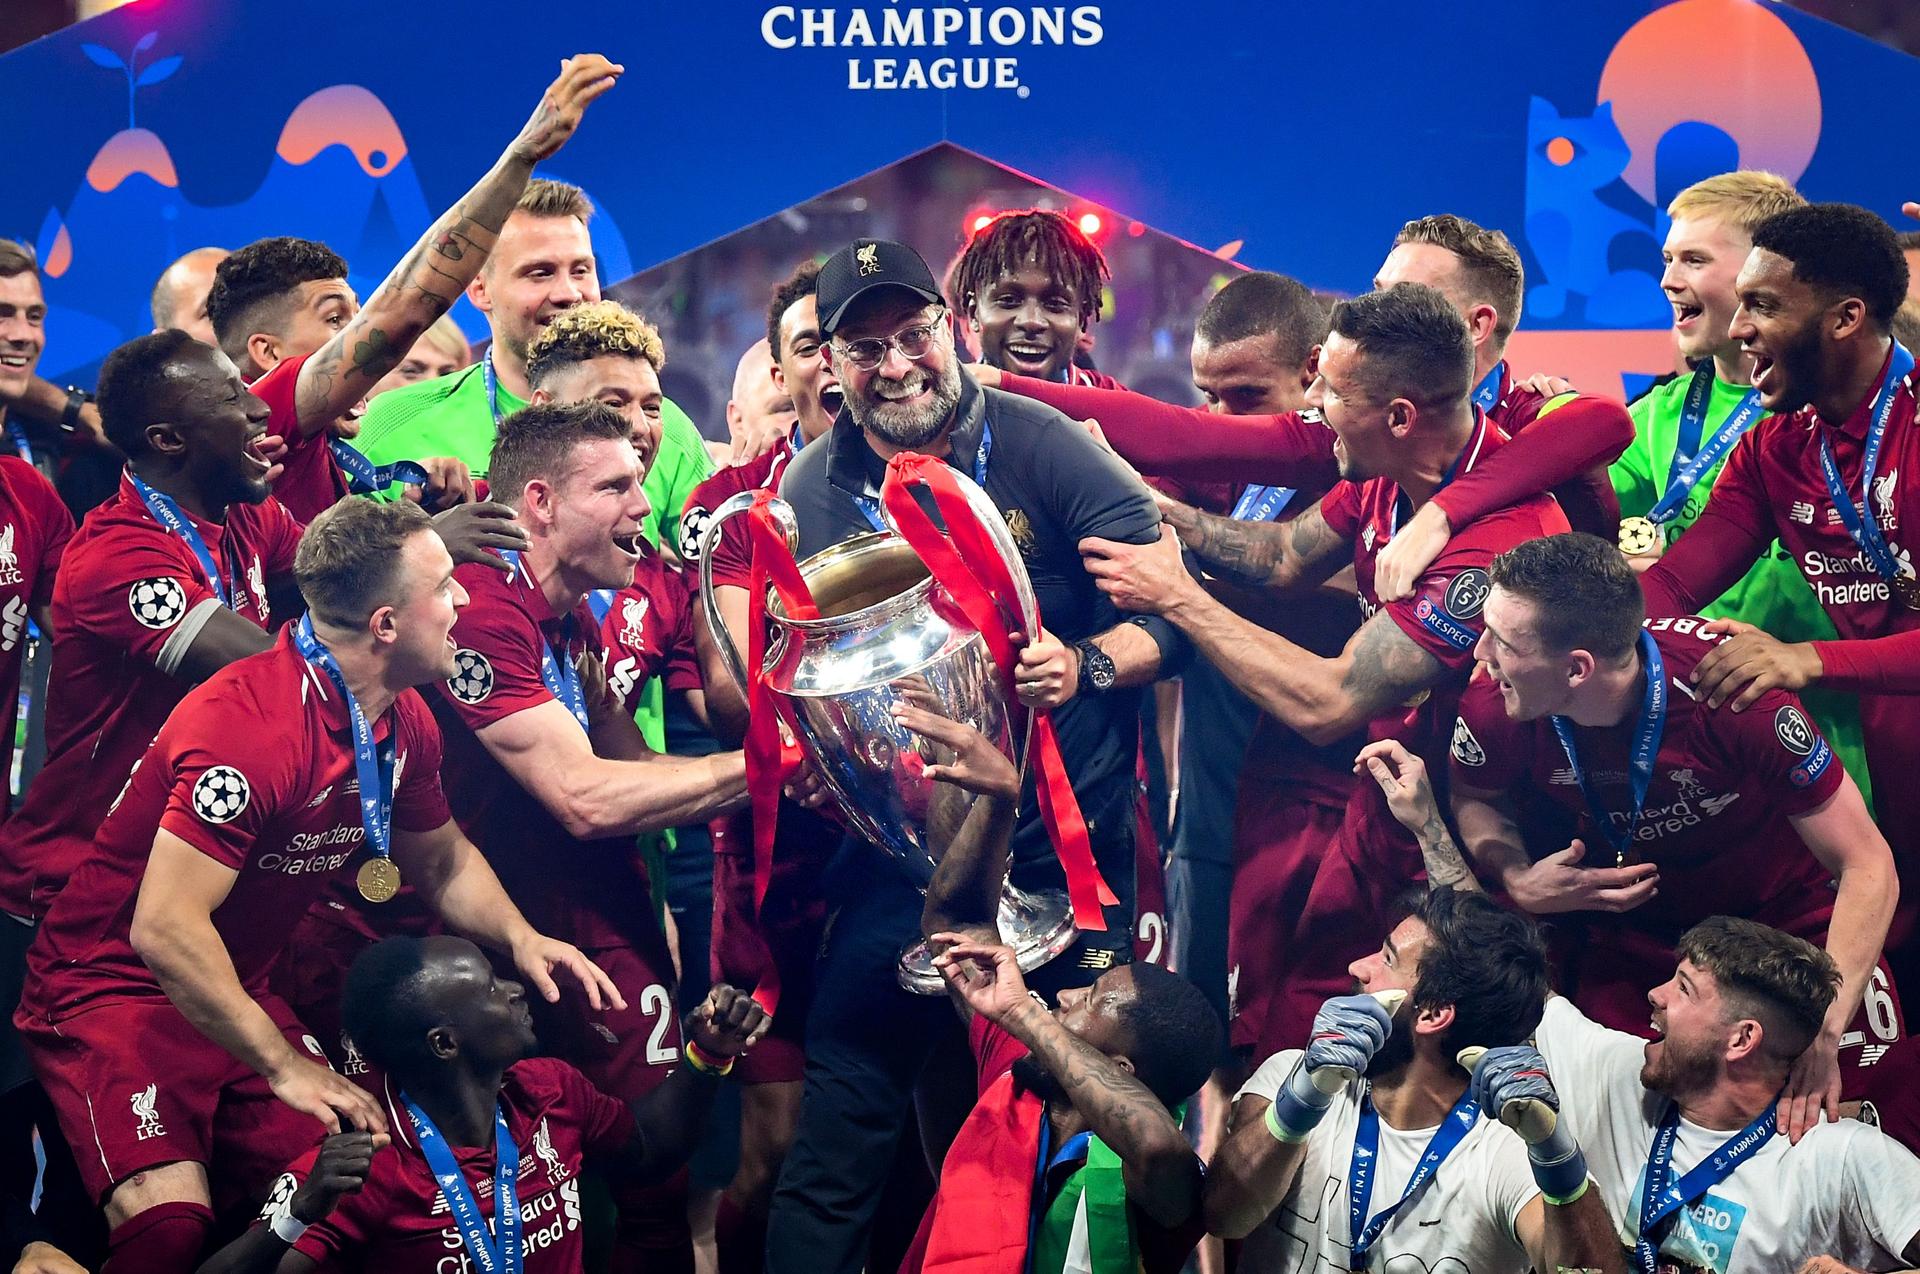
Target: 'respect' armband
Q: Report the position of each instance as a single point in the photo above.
(1559, 1167)
(1298, 1107)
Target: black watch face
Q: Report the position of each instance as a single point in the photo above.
(1102, 677)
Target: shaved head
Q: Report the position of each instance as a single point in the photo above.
(180, 296)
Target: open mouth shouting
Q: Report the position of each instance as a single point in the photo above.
(831, 399)
(1027, 357)
(1764, 378)
(256, 459)
(629, 544)
(1686, 316)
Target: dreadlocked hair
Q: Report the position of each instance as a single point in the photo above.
(1014, 240)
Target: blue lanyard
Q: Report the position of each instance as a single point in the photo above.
(498, 1251)
(1366, 1160)
(168, 514)
(1646, 747)
(1453, 470)
(1486, 395)
(600, 602)
(1690, 460)
(366, 478)
(561, 677)
(871, 507)
(21, 443)
(1262, 504)
(372, 762)
(492, 381)
(1866, 530)
(1662, 1197)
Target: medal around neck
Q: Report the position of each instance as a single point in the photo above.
(1638, 536)
(378, 880)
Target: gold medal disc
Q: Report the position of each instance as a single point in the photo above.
(1638, 536)
(378, 879)
(1906, 591)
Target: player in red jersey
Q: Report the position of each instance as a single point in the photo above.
(747, 943)
(1683, 810)
(1030, 285)
(1817, 297)
(146, 1011)
(1394, 382)
(1479, 272)
(464, 1086)
(548, 772)
(284, 312)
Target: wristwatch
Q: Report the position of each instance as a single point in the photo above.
(70, 414)
(1097, 672)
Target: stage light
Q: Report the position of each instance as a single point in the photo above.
(1090, 224)
(979, 223)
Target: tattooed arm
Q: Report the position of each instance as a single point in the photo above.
(1162, 1174)
(1402, 776)
(431, 276)
(1277, 554)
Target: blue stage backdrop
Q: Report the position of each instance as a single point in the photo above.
(1287, 136)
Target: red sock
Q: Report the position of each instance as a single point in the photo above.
(739, 1238)
(165, 1239)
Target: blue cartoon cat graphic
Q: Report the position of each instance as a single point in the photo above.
(1596, 262)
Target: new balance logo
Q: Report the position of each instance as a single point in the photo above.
(1801, 512)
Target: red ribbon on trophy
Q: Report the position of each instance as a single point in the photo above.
(969, 567)
(772, 754)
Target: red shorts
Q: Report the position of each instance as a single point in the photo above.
(1279, 841)
(136, 1085)
(784, 938)
(1151, 942)
(625, 1052)
(312, 972)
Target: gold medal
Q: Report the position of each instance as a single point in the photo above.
(378, 879)
(1638, 536)
(1906, 591)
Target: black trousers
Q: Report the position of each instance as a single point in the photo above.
(869, 1042)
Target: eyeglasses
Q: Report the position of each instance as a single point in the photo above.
(914, 344)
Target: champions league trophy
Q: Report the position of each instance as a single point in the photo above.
(885, 620)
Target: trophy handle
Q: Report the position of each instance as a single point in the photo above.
(732, 507)
(995, 523)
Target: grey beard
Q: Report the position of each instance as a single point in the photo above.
(907, 427)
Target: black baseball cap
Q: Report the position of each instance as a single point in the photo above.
(866, 264)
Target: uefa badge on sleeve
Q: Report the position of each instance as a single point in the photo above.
(157, 603)
(472, 679)
(220, 795)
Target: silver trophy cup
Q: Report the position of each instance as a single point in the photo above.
(879, 624)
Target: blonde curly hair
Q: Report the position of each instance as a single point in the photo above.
(592, 330)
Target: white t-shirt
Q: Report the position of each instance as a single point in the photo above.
(1846, 1191)
(1465, 1216)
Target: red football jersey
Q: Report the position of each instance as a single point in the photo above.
(310, 480)
(732, 557)
(255, 770)
(648, 631)
(399, 1223)
(34, 529)
(129, 602)
(592, 892)
(1715, 819)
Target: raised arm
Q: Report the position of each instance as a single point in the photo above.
(1323, 699)
(431, 277)
(1402, 777)
(963, 898)
(547, 753)
(669, 1120)
(173, 932)
(1294, 449)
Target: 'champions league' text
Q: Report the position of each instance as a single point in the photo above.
(788, 26)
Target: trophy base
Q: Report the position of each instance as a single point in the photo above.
(1038, 926)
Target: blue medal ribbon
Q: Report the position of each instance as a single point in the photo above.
(168, 514)
(871, 506)
(372, 762)
(600, 602)
(562, 679)
(21, 443)
(1691, 460)
(1486, 395)
(366, 478)
(1262, 504)
(1646, 747)
(1662, 1197)
(498, 1251)
(491, 380)
(1366, 1155)
(1859, 520)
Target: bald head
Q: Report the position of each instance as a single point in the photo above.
(180, 297)
(758, 405)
